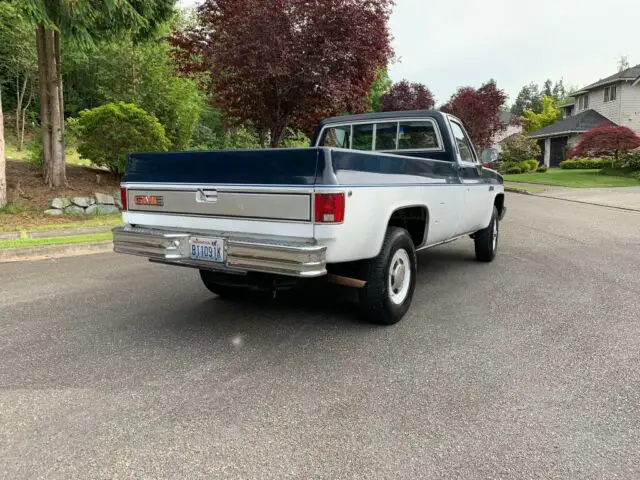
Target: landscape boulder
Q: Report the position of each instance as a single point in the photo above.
(60, 203)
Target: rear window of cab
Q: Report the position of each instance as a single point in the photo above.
(383, 136)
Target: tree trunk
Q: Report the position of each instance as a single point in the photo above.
(24, 119)
(3, 166)
(56, 38)
(44, 103)
(54, 170)
(277, 134)
(20, 98)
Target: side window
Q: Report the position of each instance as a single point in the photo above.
(386, 135)
(417, 135)
(363, 137)
(338, 137)
(464, 145)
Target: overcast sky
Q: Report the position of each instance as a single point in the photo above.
(447, 44)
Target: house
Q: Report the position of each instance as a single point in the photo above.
(612, 100)
(506, 118)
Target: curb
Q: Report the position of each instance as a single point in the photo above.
(517, 190)
(542, 195)
(53, 251)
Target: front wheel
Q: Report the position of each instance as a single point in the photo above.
(486, 240)
(391, 279)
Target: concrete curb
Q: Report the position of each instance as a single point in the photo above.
(68, 232)
(517, 190)
(534, 194)
(53, 251)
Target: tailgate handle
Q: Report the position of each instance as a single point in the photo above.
(206, 196)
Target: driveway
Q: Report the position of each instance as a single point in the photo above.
(528, 367)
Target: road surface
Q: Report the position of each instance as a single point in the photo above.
(528, 367)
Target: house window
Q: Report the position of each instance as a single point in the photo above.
(583, 102)
(610, 93)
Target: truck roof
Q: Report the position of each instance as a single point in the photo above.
(379, 116)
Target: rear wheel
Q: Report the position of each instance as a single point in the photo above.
(486, 240)
(391, 279)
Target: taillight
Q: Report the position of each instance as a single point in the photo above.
(329, 207)
(123, 198)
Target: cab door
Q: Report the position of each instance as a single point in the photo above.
(476, 191)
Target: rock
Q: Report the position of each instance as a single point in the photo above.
(117, 200)
(60, 203)
(99, 209)
(104, 199)
(53, 212)
(74, 210)
(83, 202)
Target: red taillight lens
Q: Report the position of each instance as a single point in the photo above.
(123, 198)
(329, 207)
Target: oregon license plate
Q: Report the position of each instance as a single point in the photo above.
(206, 249)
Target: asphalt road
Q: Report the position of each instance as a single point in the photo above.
(529, 367)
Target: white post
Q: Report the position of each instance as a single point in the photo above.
(547, 152)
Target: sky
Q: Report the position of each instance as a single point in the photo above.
(448, 44)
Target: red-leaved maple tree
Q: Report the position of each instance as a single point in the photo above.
(283, 63)
(407, 96)
(605, 140)
(479, 111)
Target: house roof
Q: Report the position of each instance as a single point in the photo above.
(630, 74)
(579, 123)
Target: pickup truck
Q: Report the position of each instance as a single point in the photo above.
(355, 208)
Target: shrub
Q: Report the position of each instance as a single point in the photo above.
(585, 163)
(107, 134)
(630, 160)
(514, 170)
(542, 168)
(519, 148)
(527, 165)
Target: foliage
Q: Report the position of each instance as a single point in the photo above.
(380, 86)
(296, 139)
(141, 73)
(528, 166)
(289, 63)
(550, 114)
(518, 148)
(231, 139)
(606, 140)
(542, 168)
(514, 170)
(407, 96)
(107, 134)
(574, 178)
(630, 160)
(479, 111)
(585, 163)
(531, 96)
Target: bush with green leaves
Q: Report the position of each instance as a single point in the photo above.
(513, 170)
(542, 168)
(586, 163)
(107, 134)
(527, 165)
(630, 160)
(518, 148)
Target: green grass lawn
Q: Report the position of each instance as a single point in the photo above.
(524, 188)
(573, 178)
(43, 242)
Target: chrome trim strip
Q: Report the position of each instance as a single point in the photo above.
(241, 255)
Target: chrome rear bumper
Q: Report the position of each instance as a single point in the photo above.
(241, 255)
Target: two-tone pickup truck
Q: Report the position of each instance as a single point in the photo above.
(356, 207)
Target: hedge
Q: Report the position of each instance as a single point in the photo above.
(585, 163)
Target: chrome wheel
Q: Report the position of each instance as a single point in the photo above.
(399, 276)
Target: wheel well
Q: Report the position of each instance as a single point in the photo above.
(499, 203)
(414, 220)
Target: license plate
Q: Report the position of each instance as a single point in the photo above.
(206, 249)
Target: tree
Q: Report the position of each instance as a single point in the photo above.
(479, 111)
(529, 98)
(142, 73)
(407, 96)
(606, 140)
(623, 63)
(549, 115)
(82, 21)
(290, 62)
(17, 63)
(3, 165)
(381, 85)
